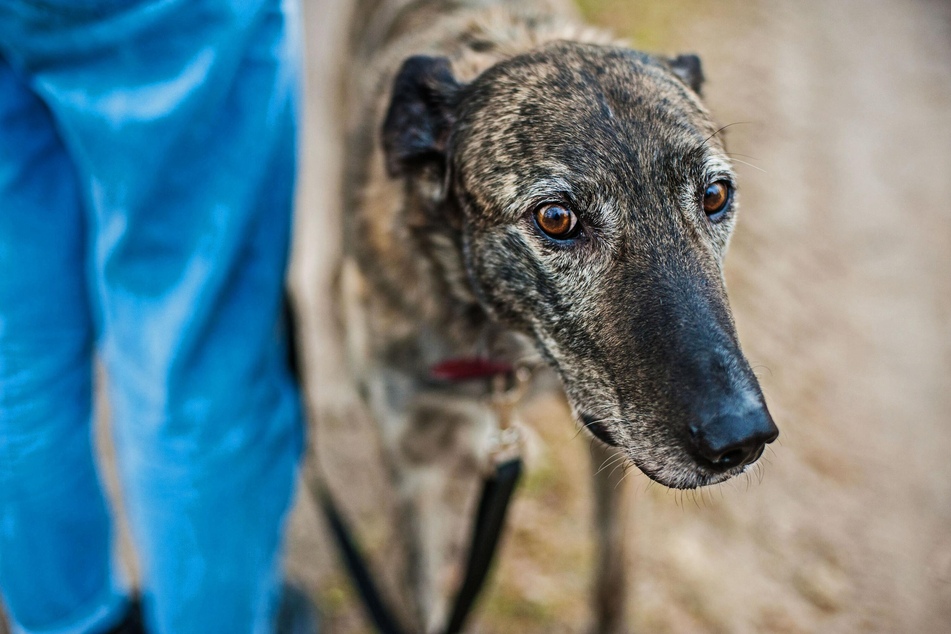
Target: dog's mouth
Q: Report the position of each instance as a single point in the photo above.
(598, 429)
(679, 469)
(681, 476)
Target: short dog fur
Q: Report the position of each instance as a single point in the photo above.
(471, 118)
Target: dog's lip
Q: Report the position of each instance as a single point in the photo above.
(597, 428)
(701, 475)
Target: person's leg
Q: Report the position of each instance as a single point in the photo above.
(55, 571)
(181, 117)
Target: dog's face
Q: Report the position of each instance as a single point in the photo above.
(592, 204)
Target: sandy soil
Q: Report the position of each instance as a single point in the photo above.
(840, 276)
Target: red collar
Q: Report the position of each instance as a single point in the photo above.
(468, 368)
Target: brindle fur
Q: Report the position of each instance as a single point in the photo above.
(467, 116)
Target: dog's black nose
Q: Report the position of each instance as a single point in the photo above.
(732, 440)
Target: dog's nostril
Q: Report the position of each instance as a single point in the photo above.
(731, 459)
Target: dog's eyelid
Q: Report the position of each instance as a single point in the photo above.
(562, 199)
(551, 200)
(712, 176)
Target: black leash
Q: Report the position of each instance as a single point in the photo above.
(379, 612)
(493, 507)
(497, 490)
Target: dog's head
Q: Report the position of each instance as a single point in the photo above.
(592, 203)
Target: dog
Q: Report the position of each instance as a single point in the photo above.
(525, 191)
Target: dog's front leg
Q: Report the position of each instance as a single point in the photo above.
(610, 576)
(439, 457)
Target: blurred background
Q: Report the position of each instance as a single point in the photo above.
(840, 279)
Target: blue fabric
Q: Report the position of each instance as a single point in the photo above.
(147, 156)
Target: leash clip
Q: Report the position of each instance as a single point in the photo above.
(508, 389)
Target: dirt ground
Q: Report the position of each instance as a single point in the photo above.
(840, 277)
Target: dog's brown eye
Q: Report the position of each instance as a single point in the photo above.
(556, 221)
(716, 198)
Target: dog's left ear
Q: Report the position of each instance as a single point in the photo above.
(420, 116)
(689, 70)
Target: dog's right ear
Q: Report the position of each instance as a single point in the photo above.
(420, 117)
(689, 69)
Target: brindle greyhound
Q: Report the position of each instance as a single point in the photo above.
(523, 189)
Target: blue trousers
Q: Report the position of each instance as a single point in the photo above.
(147, 157)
